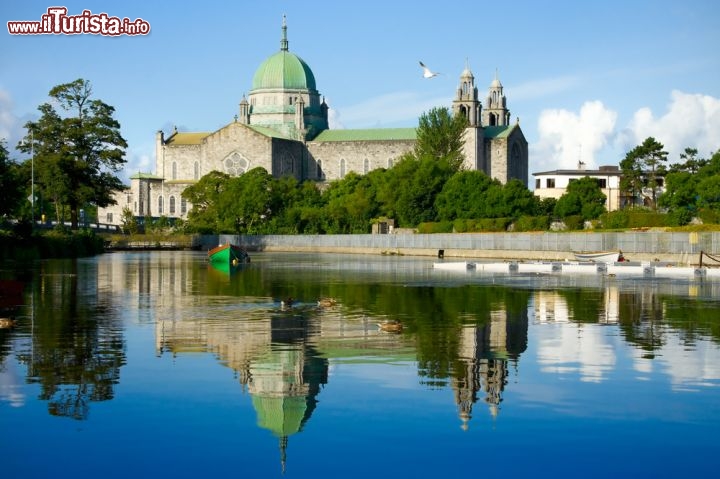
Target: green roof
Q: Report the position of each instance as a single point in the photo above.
(284, 70)
(145, 176)
(498, 131)
(375, 134)
(194, 138)
(267, 131)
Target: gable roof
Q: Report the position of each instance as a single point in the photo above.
(191, 138)
(371, 134)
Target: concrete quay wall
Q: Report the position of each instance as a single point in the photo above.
(678, 247)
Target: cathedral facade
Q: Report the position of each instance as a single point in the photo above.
(282, 126)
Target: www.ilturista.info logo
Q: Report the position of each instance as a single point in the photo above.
(57, 22)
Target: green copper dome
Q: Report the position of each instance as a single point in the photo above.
(284, 70)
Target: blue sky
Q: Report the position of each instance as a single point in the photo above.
(588, 80)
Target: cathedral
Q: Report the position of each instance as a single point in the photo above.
(282, 126)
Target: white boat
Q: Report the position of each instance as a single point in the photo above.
(600, 256)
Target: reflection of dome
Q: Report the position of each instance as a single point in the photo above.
(284, 70)
(283, 416)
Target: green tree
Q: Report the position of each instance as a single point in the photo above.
(642, 169)
(583, 197)
(11, 191)
(440, 136)
(466, 196)
(79, 154)
(691, 164)
(518, 200)
(249, 203)
(204, 196)
(129, 222)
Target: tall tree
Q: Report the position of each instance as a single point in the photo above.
(642, 169)
(691, 163)
(440, 136)
(11, 191)
(78, 151)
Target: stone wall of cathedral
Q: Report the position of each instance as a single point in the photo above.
(338, 158)
(178, 162)
(236, 149)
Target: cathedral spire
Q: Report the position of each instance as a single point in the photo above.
(284, 40)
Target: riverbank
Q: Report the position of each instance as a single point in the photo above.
(683, 248)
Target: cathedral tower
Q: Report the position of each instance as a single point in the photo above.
(466, 103)
(496, 112)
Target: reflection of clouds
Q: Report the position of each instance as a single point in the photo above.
(581, 350)
(10, 385)
(688, 368)
(550, 307)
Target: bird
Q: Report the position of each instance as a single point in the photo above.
(327, 302)
(392, 326)
(7, 323)
(427, 73)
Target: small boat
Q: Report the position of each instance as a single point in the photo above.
(600, 256)
(228, 255)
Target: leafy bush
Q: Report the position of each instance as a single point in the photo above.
(574, 222)
(615, 220)
(679, 217)
(532, 223)
(709, 216)
(432, 227)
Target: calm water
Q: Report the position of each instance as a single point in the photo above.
(155, 365)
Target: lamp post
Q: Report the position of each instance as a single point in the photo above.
(32, 177)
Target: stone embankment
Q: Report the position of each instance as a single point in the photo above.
(676, 247)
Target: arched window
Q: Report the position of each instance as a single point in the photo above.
(320, 174)
(366, 166)
(183, 205)
(391, 163)
(160, 205)
(174, 170)
(172, 205)
(196, 174)
(342, 168)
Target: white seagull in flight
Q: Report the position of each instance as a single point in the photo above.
(427, 73)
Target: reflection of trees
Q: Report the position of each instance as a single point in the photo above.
(76, 351)
(641, 315)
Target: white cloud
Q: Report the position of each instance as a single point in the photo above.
(692, 121)
(565, 137)
(137, 160)
(10, 128)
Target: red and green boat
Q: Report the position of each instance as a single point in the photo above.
(227, 255)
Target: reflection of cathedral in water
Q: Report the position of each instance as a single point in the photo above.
(285, 381)
(484, 353)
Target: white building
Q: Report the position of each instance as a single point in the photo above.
(553, 184)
